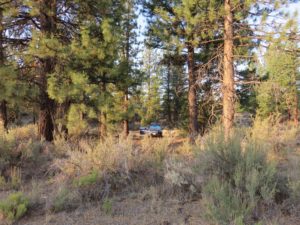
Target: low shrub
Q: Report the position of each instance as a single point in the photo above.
(292, 171)
(112, 156)
(180, 178)
(3, 183)
(23, 133)
(14, 207)
(31, 150)
(107, 206)
(15, 178)
(5, 151)
(18, 143)
(89, 179)
(278, 137)
(154, 151)
(106, 156)
(35, 195)
(65, 199)
(238, 179)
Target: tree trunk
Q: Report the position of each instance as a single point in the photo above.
(228, 76)
(3, 115)
(192, 96)
(46, 125)
(296, 98)
(169, 112)
(3, 103)
(33, 118)
(102, 116)
(47, 106)
(61, 116)
(296, 112)
(126, 122)
(102, 125)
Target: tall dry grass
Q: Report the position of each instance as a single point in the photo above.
(276, 135)
(111, 155)
(11, 143)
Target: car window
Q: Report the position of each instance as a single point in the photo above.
(155, 127)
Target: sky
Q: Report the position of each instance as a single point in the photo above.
(295, 7)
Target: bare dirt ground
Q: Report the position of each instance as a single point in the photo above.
(127, 211)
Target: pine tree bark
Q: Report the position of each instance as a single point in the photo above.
(296, 115)
(126, 122)
(46, 124)
(102, 125)
(169, 112)
(61, 115)
(192, 95)
(47, 106)
(228, 76)
(3, 115)
(102, 116)
(3, 103)
(127, 58)
(296, 105)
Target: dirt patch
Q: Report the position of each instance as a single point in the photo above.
(129, 211)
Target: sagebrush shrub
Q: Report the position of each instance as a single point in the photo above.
(19, 142)
(5, 151)
(238, 177)
(277, 136)
(113, 155)
(14, 207)
(15, 177)
(65, 199)
(89, 179)
(107, 206)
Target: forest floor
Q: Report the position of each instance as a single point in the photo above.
(143, 199)
(143, 206)
(132, 209)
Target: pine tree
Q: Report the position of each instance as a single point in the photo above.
(129, 75)
(173, 86)
(8, 70)
(184, 25)
(238, 14)
(90, 64)
(43, 21)
(150, 112)
(3, 107)
(279, 93)
(228, 76)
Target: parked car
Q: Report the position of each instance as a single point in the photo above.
(143, 130)
(155, 130)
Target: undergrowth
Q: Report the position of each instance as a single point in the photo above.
(239, 179)
(14, 206)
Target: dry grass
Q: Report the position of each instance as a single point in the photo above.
(133, 180)
(20, 141)
(21, 133)
(112, 155)
(277, 136)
